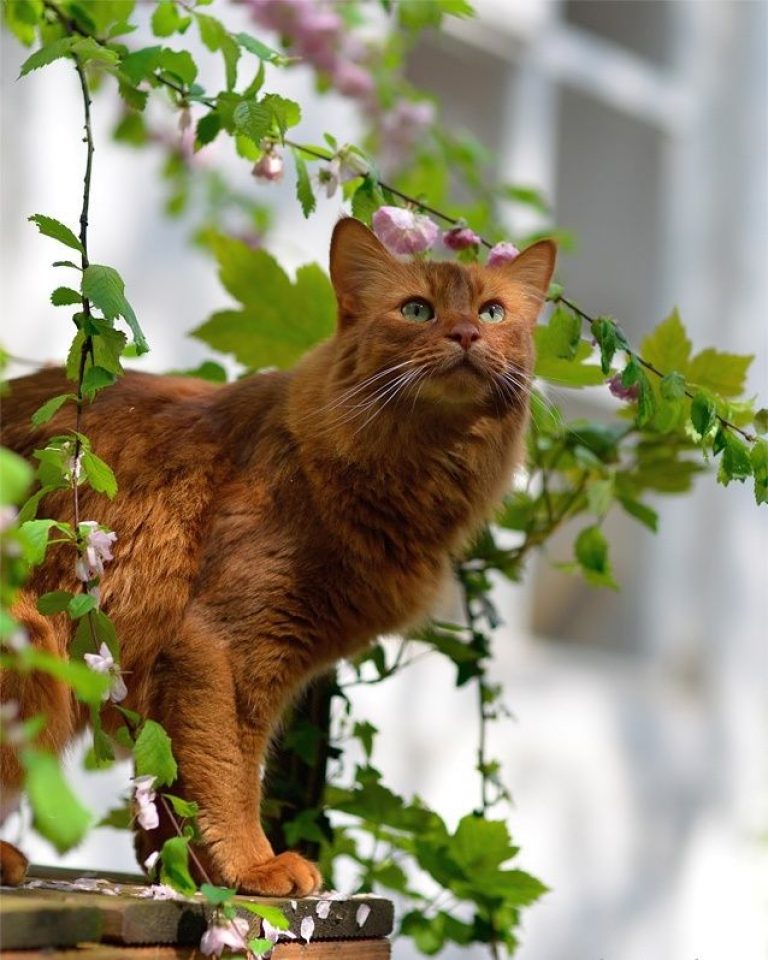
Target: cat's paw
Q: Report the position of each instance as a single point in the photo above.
(13, 865)
(286, 875)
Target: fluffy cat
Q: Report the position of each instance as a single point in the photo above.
(273, 525)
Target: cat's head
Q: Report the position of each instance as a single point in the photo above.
(436, 331)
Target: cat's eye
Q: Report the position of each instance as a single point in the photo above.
(418, 310)
(492, 313)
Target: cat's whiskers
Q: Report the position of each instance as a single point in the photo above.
(402, 384)
(382, 391)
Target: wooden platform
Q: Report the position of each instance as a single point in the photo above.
(74, 915)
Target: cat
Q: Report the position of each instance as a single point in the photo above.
(270, 526)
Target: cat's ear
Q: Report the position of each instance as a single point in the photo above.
(532, 270)
(359, 262)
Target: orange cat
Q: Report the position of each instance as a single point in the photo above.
(271, 526)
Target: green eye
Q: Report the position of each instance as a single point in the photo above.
(492, 313)
(418, 310)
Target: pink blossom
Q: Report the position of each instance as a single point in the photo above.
(459, 238)
(103, 662)
(403, 231)
(401, 128)
(345, 165)
(620, 391)
(145, 797)
(352, 80)
(270, 166)
(503, 252)
(97, 550)
(225, 933)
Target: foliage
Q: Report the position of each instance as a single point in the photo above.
(679, 412)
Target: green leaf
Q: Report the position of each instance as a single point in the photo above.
(216, 895)
(47, 54)
(761, 420)
(640, 511)
(366, 200)
(81, 604)
(119, 818)
(759, 459)
(56, 230)
(88, 686)
(481, 845)
(672, 386)
(604, 330)
(166, 19)
(56, 601)
(95, 379)
(141, 64)
(107, 344)
(735, 462)
(278, 321)
(304, 191)
(600, 495)
(35, 538)
(270, 116)
(260, 50)
(273, 915)
(259, 946)
(723, 373)
(15, 477)
(184, 808)
(104, 287)
(152, 754)
(179, 63)
(174, 869)
(570, 373)
(703, 412)
(208, 128)
(564, 333)
(99, 474)
(591, 551)
(64, 297)
(50, 407)
(57, 813)
(667, 347)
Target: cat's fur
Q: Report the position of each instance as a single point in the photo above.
(270, 526)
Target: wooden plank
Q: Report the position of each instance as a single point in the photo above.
(328, 950)
(128, 918)
(38, 922)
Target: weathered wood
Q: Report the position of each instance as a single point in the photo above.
(39, 922)
(128, 916)
(326, 950)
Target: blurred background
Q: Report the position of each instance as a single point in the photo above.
(636, 754)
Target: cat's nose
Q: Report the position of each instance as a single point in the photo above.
(464, 333)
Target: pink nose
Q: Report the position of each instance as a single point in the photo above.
(464, 333)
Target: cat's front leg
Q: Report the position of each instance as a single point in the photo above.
(196, 700)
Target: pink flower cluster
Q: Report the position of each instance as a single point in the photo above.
(403, 232)
(317, 34)
(400, 129)
(225, 933)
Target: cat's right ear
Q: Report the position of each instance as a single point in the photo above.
(359, 262)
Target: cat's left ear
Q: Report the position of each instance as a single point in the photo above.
(532, 270)
(359, 264)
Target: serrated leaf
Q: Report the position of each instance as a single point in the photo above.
(99, 474)
(703, 412)
(57, 813)
(65, 296)
(605, 332)
(15, 477)
(54, 602)
(95, 379)
(119, 818)
(571, 373)
(304, 192)
(35, 539)
(564, 333)
(759, 459)
(47, 54)
(50, 407)
(366, 200)
(174, 869)
(270, 116)
(735, 461)
(166, 19)
(179, 63)
(641, 511)
(723, 373)
(591, 552)
(208, 128)
(153, 755)
(273, 915)
(667, 347)
(279, 320)
(57, 231)
(672, 386)
(104, 287)
(80, 604)
(183, 808)
(259, 49)
(140, 64)
(217, 895)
